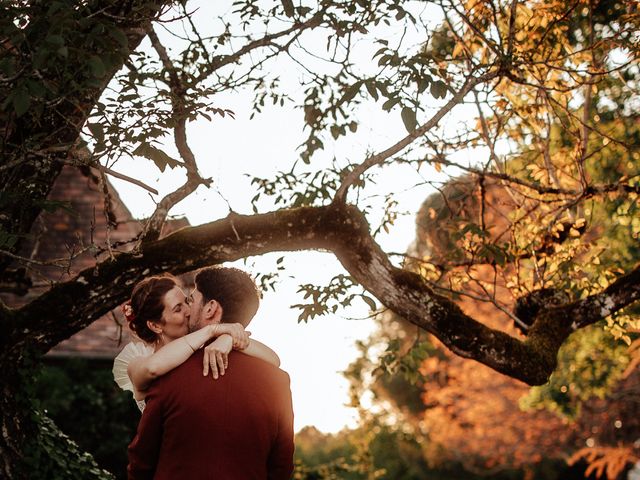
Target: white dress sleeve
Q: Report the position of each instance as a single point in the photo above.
(121, 363)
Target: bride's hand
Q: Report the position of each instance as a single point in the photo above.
(216, 356)
(237, 331)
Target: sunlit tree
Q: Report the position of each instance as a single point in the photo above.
(503, 257)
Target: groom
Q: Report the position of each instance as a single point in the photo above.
(239, 426)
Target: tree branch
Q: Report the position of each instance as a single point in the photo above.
(126, 178)
(221, 60)
(624, 291)
(341, 229)
(153, 226)
(379, 158)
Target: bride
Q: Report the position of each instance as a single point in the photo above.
(159, 315)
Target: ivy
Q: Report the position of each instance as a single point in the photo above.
(52, 455)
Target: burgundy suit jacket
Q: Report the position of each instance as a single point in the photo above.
(238, 427)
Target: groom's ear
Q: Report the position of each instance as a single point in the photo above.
(209, 309)
(212, 311)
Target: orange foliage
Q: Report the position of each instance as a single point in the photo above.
(605, 460)
(473, 412)
(634, 352)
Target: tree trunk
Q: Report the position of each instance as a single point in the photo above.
(14, 418)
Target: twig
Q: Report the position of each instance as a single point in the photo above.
(379, 158)
(106, 212)
(121, 176)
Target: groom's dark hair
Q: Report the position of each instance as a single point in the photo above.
(234, 289)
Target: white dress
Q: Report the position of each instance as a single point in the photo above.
(121, 363)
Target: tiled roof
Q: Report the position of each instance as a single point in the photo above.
(66, 231)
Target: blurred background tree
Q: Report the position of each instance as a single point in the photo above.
(503, 257)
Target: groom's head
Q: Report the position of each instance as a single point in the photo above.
(223, 289)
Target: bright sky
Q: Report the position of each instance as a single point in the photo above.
(226, 150)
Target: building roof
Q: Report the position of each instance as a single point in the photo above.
(79, 229)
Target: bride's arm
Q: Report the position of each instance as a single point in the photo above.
(216, 354)
(143, 370)
(261, 351)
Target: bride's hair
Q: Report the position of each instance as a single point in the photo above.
(233, 288)
(147, 305)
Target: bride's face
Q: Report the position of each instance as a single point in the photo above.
(175, 315)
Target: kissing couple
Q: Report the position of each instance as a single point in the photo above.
(236, 424)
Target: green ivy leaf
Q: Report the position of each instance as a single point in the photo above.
(56, 40)
(51, 206)
(7, 240)
(97, 67)
(21, 101)
(119, 36)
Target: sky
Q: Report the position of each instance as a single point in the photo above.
(228, 150)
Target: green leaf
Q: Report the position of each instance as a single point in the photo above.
(493, 253)
(7, 240)
(97, 131)
(379, 51)
(97, 67)
(351, 92)
(370, 302)
(423, 83)
(56, 40)
(21, 101)
(119, 36)
(409, 119)
(371, 88)
(384, 59)
(55, 205)
(7, 66)
(161, 159)
(36, 89)
(389, 104)
(438, 89)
